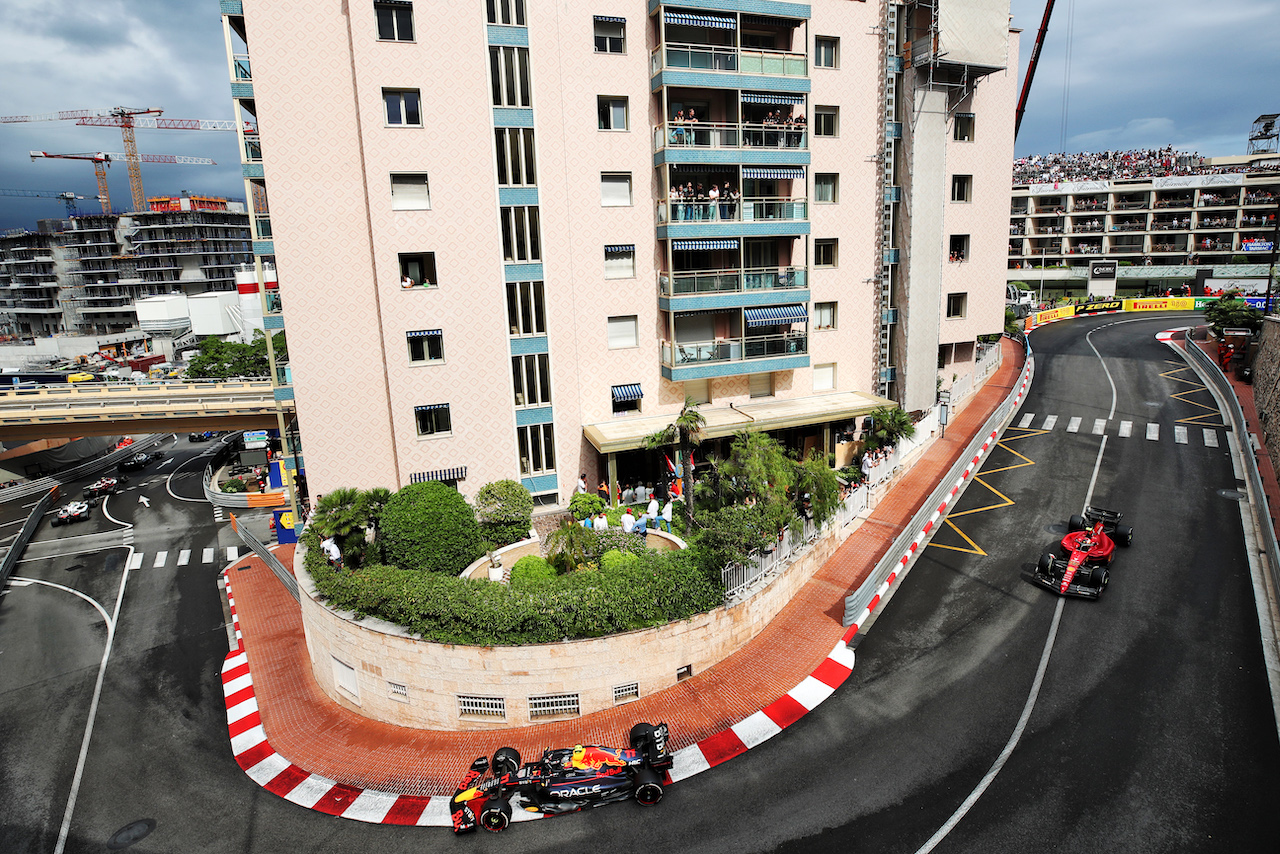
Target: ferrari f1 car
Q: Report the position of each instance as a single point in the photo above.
(76, 511)
(564, 780)
(1088, 549)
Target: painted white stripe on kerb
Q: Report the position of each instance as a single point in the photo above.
(1050, 422)
(1099, 426)
(1153, 432)
(206, 556)
(436, 814)
(184, 557)
(1126, 429)
(810, 693)
(1073, 426)
(309, 791)
(841, 654)
(755, 729)
(242, 710)
(1210, 438)
(235, 661)
(687, 762)
(1180, 434)
(135, 561)
(161, 557)
(1026, 420)
(370, 806)
(237, 684)
(233, 554)
(251, 737)
(268, 769)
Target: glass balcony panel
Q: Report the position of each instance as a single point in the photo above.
(747, 210)
(699, 57)
(274, 306)
(240, 62)
(714, 135)
(262, 226)
(686, 353)
(252, 150)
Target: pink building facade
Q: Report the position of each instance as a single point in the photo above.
(484, 273)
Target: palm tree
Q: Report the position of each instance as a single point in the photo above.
(686, 433)
(570, 545)
(340, 514)
(889, 424)
(373, 503)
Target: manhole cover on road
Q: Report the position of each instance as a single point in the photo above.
(1233, 494)
(131, 833)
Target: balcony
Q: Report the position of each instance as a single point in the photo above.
(262, 227)
(687, 360)
(240, 67)
(729, 136)
(734, 281)
(274, 305)
(682, 216)
(727, 58)
(252, 150)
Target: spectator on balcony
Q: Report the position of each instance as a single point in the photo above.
(726, 207)
(713, 201)
(734, 197)
(770, 136)
(796, 137)
(406, 282)
(691, 133)
(677, 134)
(673, 203)
(700, 204)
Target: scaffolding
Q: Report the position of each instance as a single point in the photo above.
(1263, 137)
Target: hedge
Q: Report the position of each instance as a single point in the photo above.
(657, 588)
(430, 526)
(505, 511)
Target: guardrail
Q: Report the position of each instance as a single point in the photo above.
(84, 469)
(97, 402)
(24, 536)
(908, 543)
(273, 563)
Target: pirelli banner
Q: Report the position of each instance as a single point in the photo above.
(1100, 305)
(1161, 304)
(1036, 318)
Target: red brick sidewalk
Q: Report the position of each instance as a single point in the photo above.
(306, 727)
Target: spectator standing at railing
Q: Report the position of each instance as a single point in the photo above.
(677, 135)
(726, 208)
(673, 203)
(713, 201)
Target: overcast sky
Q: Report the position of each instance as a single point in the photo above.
(1143, 73)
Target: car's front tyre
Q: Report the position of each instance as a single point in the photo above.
(495, 815)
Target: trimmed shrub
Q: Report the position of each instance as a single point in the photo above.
(505, 511)
(532, 569)
(430, 526)
(615, 539)
(585, 504)
(614, 559)
(235, 484)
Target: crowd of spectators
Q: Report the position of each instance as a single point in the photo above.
(1114, 165)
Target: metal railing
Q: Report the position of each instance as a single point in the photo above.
(273, 563)
(80, 470)
(736, 210)
(14, 553)
(675, 134)
(732, 280)
(684, 353)
(705, 57)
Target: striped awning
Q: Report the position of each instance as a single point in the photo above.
(424, 333)
(427, 407)
(627, 393)
(761, 21)
(772, 98)
(776, 173)
(776, 314)
(703, 167)
(696, 245)
(610, 19)
(714, 22)
(620, 247)
(458, 473)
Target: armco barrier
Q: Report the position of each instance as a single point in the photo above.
(859, 603)
(1261, 510)
(84, 469)
(273, 563)
(24, 536)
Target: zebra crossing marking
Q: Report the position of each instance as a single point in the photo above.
(1026, 420)
(1099, 425)
(207, 556)
(1210, 438)
(1153, 432)
(1049, 422)
(1126, 429)
(233, 553)
(1073, 426)
(161, 557)
(184, 557)
(135, 562)
(1180, 434)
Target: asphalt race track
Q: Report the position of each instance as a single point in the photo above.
(1150, 729)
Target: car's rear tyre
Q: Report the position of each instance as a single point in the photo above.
(55, 522)
(1076, 523)
(1044, 566)
(1099, 578)
(1123, 535)
(495, 815)
(506, 760)
(648, 787)
(639, 736)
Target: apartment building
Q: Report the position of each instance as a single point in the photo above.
(498, 250)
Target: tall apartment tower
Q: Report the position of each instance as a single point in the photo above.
(488, 269)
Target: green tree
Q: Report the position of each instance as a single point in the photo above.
(222, 360)
(341, 514)
(759, 471)
(584, 504)
(686, 433)
(1231, 312)
(570, 546)
(505, 511)
(430, 526)
(815, 479)
(731, 534)
(889, 424)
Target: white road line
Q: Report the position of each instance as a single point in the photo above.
(206, 556)
(1026, 420)
(1126, 429)
(1153, 432)
(233, 554)
(1180, 434)
(1210, 438)
(161, 557)
(1049, 422)
(135, 561)
(1099, 426)
(1073, 426)
(184, 557)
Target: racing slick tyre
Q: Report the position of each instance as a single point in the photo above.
(1099, 578)
(639, 736)
(495, 815)
(55, 522)
(1076, 523)
(506, 760)
(1123, 535)
(1044, 566)
(648, 787)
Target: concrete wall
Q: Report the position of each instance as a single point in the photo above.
(1266, 387)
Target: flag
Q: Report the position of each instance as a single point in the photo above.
(670, 465)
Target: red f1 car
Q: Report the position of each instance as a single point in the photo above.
(1088, 549)
(564, 780)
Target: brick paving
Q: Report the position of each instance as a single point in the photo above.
(306, 727)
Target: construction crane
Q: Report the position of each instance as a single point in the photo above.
(66, 196)
(1031, 67)
(103, 159)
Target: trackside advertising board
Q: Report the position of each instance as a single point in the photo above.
(1101, 305)
(1161, 304)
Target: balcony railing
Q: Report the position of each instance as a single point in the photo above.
(685, 353)
(705, 57)
(732, 281)
(728, 135)
(274, 305)
(252, 150)
(742, 210)
(262, 226)
(240, 63)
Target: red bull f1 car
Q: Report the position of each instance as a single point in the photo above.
(1088, 549)
(564, 780)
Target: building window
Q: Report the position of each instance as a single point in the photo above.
(611, 113)
(425, 345)
(961, 188)
(698, 390)
(395, 21)
(409, 191)
(963, 127)
(620, 262)
(418, 268)
(611, 34)
(957, 304)
(824, 377)
(521, 240)
(760, 385)
(826, 188)
(509, 76)
(825, 253)
(959, 247)
(531, 379)
(626, 398)
(623, 332)
(433, 419)
(509, 12)
(526, 308)
(404, 107)
(623, 693)
(826, 121)
(537, 446)
(826, 52)
(824, 315)
(615, 189)
(515, 157)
